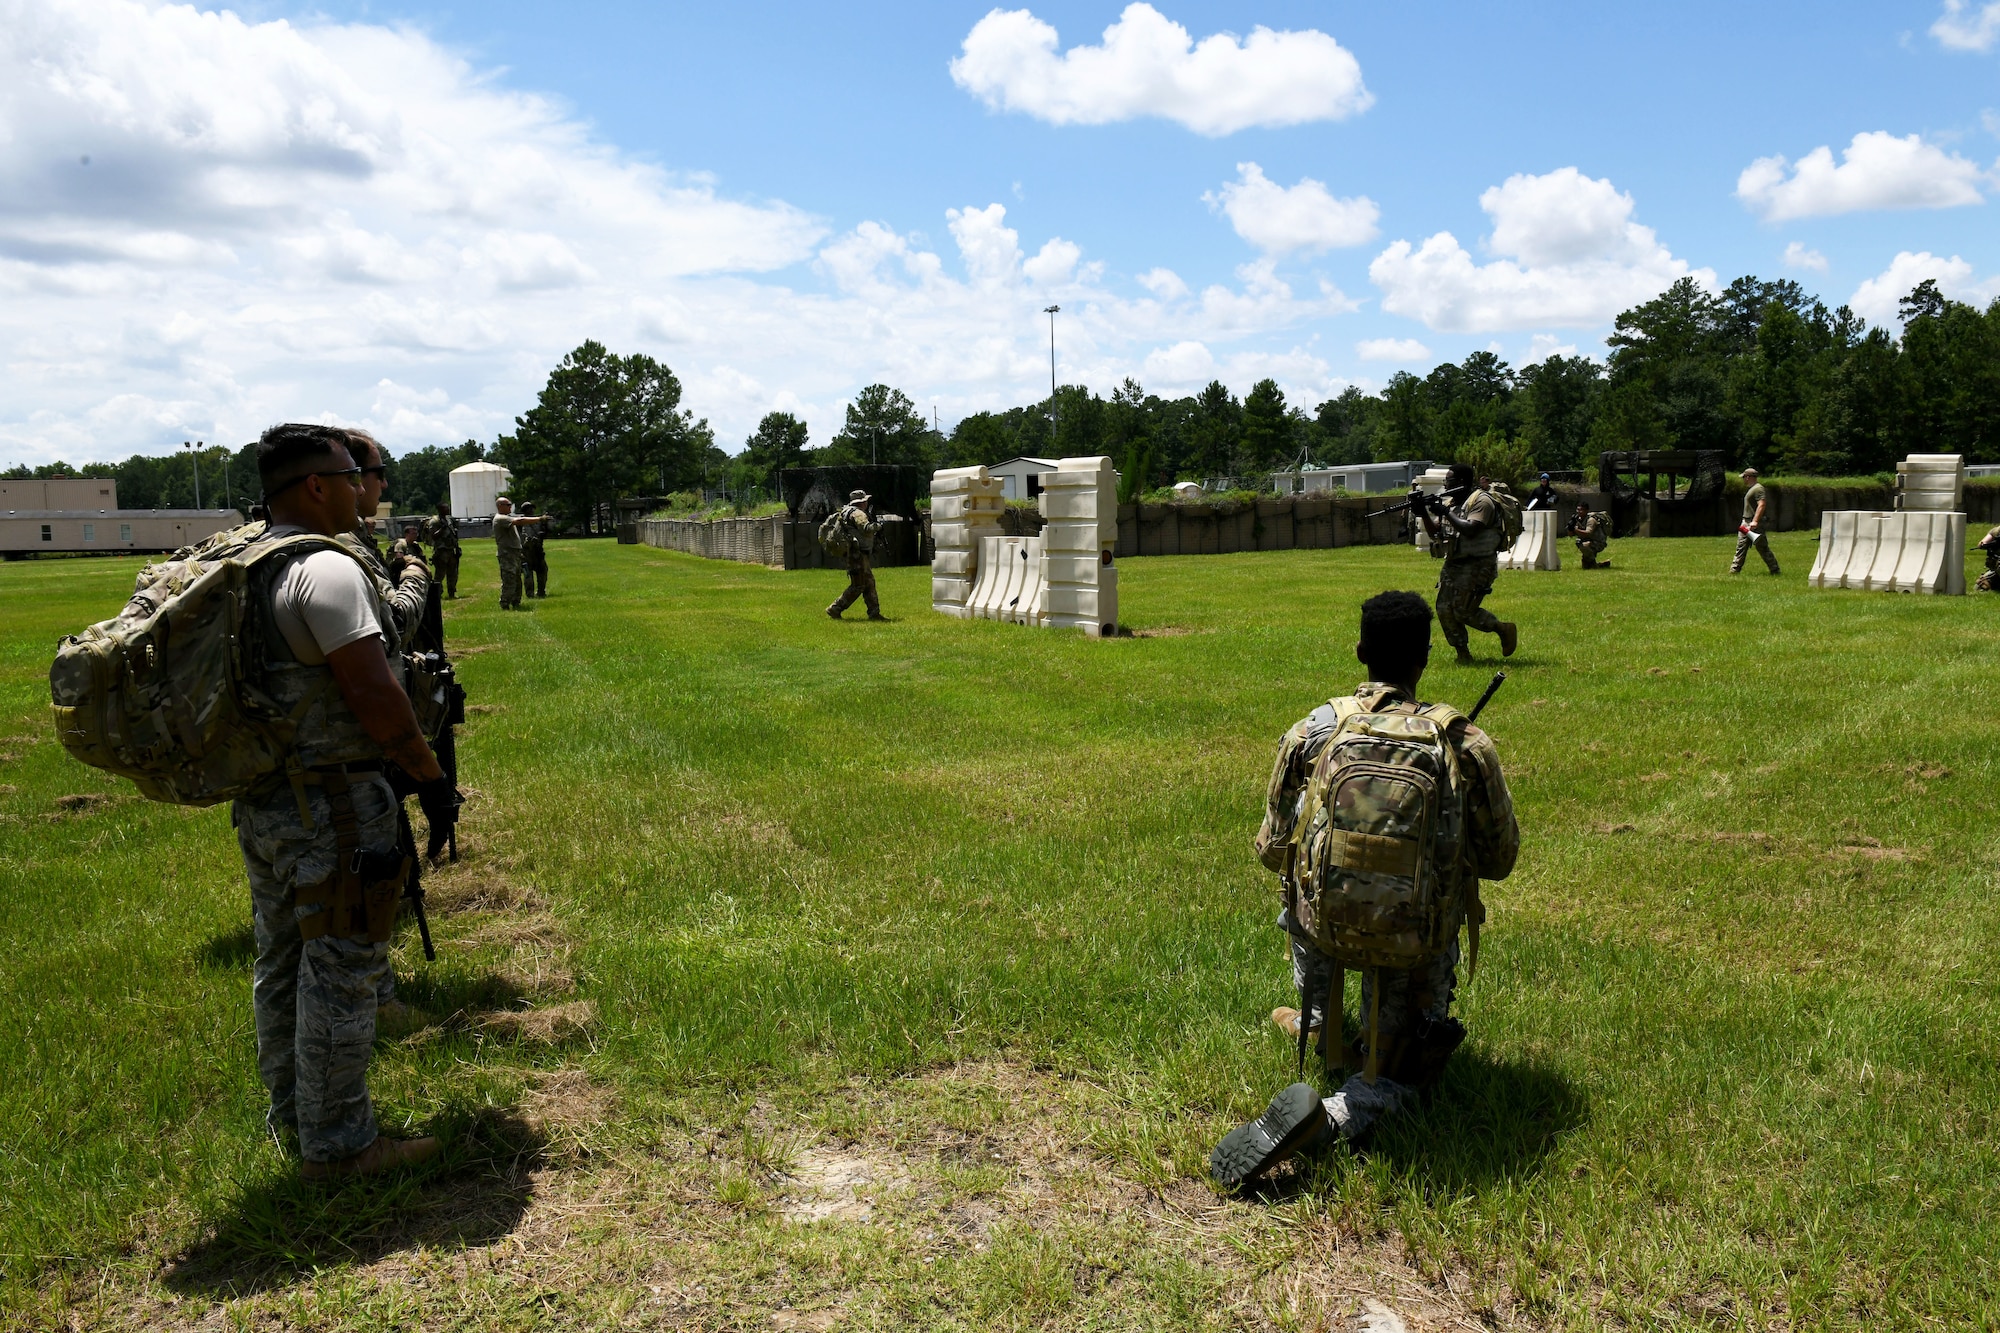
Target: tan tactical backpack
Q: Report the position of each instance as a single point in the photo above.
(168, 693)
(1511, 522)
(1374, 878)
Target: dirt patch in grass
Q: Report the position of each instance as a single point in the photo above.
(482, 710)
(83, 803)
(1613, 829)
(547, 1025)
(489, 886)
(1871, 849)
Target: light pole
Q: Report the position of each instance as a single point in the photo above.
(1051, 312)
(194, 457)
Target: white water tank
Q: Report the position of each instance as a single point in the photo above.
(474, 488)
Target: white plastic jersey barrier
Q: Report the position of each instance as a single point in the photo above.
(1930, 483)
(1064, 577)
(1538, 546)
(965, 508)
(1895, 551)
(1430, 483)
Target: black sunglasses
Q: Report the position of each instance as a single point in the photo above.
(349, 472)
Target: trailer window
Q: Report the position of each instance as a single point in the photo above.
(124, 532)
(48, 535)
(90, 532)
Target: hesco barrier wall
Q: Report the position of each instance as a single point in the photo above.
(777, 540)
(1281, 523)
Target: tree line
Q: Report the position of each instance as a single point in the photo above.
(1762, 371)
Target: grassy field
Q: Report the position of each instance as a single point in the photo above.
(815, 975)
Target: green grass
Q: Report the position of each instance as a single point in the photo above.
(1733, 1039)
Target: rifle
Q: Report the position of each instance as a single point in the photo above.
(413, 887)
(1499, 679)
(1434, 505)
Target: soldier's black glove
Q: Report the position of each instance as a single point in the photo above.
(439, 800)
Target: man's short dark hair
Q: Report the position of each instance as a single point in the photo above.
(363, 447)
(1395, 634)
(1458, 474)
(286, 453)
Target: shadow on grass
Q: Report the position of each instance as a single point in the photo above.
(228, 951)
(1489, 1121)
(282, 1230)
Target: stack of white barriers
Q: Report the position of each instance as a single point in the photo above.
(1063, 578)
(1917, 547)
(1899, 551)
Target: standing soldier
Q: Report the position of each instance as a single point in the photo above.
(1592, 535)
(1543, 496)
(1750, 532)
(857, 520)
(534, 557)
(410, 545)
(507, 527)
(1990, 580)
(442, 533)
(1470, 535)
(1408, 1032)
(321, 850)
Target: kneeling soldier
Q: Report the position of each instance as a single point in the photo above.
(1592, 534)
(1358, 888)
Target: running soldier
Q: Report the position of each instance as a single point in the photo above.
(1407, 1032)
(322, 851)
(1750, 532)
(858, 520)
(534, 556)
(442, 533)
(1592, 535)
(1469, 535)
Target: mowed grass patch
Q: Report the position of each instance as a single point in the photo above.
(1732, 1036)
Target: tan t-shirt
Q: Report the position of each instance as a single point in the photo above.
(1751, 499)
(504, 535)
(322, 602)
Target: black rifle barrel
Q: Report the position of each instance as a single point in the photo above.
(1499, 679)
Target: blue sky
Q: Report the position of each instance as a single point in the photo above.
(400, 215)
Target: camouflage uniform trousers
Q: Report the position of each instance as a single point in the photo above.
(510, 576)
(860, 583)
(1412, 1001)
(1589, 548)
(1462, 586)
(535, 562)
(1744, 541)
(445, 562)
(315, 1000)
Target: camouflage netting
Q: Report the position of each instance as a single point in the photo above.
(811, 493)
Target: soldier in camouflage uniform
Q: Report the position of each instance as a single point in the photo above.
(1592, 535)
(859, 519)
(321, 849)
(534, 556)
(409, 546)
(1415, 1027)
(1990, 580)
(442, 533)
(1750, 532)
(507, 529)
(1469, 535)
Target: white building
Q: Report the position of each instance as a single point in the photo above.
(1355, 478)
(1021, 478)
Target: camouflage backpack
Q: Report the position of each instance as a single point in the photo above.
(1373, 876)
(168, 693)
(1511, 522)
(836, 533)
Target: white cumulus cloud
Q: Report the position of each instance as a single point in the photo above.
(1392, 349)
(1148, 65)
(1877, 170)
(1876, 300)
(1569, 255)
(1280, 219)
(1798, 255)
(1964, 28)
(351, 222)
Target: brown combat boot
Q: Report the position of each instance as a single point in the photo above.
(1510, 636)
(1288, 1022)
(832, 613)
(1465, 657)
(383, 1155)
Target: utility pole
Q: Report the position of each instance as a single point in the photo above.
(1051, 312)
(194, 457)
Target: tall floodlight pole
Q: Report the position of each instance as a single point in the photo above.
(194, 457)
(1051, 312)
